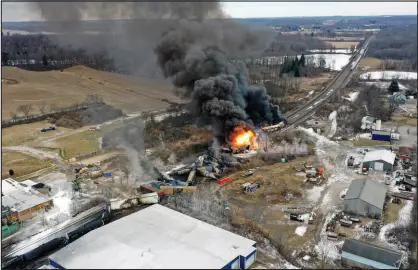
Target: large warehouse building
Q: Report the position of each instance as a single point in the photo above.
(25, 202)
(365, 198)
(157, 238)
(380, 160)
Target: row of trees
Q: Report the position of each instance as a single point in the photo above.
(27, 109)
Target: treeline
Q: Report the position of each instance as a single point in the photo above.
(295, 44)
(397, 43)
(41, 51)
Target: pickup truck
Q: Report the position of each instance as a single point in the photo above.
(47, 129)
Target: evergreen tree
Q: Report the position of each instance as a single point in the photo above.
(44, 60)
(393, 87)
(296, 71)
(4, 58)
(302, 60)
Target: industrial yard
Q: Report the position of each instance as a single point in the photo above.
(275, 162)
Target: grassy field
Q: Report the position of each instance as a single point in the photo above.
(73, 84)
(370, 62)
(367, 142)
(76, 144)
(24, 133)
(343, 44)
(20, 163)
(404, 120)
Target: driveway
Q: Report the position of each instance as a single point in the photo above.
(407, 139)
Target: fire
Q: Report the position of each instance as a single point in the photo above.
(243, 136)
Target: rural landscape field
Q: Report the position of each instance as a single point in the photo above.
(242, 143)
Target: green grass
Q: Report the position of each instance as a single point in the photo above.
(78, 143)
(21, 164)
(367, 142)
(404, 120)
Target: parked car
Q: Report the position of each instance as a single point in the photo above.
(47, 129)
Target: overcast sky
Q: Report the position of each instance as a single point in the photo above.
(20, 12)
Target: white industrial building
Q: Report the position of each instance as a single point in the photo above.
(157, 238)
(380, 160)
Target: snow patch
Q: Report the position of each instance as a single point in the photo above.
(301, 230)
(314, 194)
(389, 75)
(333, 118)
(352, 96)
(403, 221)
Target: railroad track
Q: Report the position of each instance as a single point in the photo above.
(337, 83)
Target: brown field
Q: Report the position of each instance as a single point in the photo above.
(20, 163)
(329, 22)
(73, 84)
(343, 44)
(370, 62)
(341, 38)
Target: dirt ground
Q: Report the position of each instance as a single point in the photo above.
(73, 84)
(343, 44)
(20, 163)
(310, 84)
(264, 206)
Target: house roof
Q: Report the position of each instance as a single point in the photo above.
(368, 119)
(367, 190)
(19, 197)
(385, 155)
(371, 252)
(156, 237)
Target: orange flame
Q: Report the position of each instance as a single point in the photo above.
(242, 136)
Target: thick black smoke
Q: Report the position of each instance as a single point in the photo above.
(193, 49)
(217, 85)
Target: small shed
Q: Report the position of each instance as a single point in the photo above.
(365, 198)
(380, 160)
(358, 254)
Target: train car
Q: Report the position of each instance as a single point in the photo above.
(273, 127)
(44, 248)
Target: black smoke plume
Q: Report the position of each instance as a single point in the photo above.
(196, 46)
(218, 85)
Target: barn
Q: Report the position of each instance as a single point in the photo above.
(358, 254)
(365, 198)
(380, 160)
(157, 237)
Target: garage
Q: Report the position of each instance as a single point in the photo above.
(379, 160)
(378, 166)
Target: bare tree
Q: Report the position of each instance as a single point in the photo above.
(323, 249)
(42, 108)
(53, 108)
(25, 109)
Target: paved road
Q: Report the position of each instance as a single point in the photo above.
(343, 77)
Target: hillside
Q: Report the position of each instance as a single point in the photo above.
(71, 85)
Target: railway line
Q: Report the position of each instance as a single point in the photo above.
(302, 113)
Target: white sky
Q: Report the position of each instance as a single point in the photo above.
(20, 12)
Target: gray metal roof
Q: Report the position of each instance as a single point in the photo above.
(372, 252)
(367, 190)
